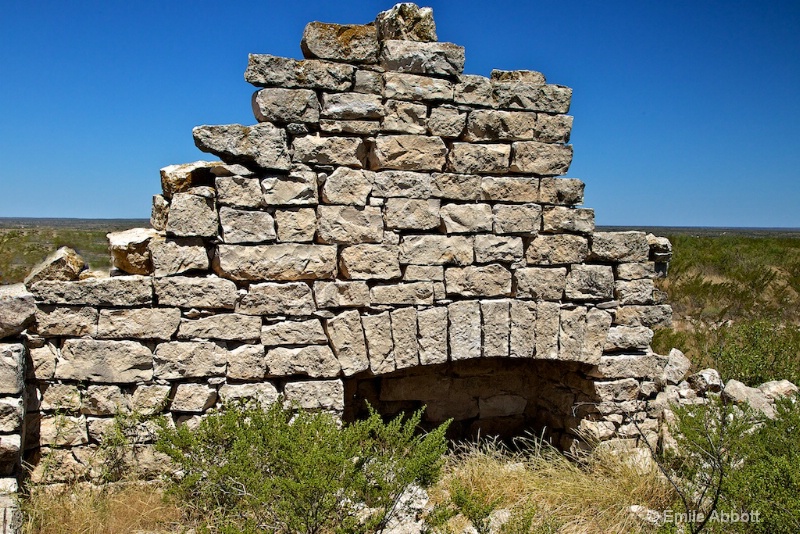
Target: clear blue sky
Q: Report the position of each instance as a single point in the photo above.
(687, 112)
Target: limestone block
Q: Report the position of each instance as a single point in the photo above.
(224, 326)
(368, 262)
(676, 368)
(178, 255)
(704, 381)
(553, 128)
(308, 332)
(541, 158)
(188, 359)
(62, 430)
(348, 186)
(10, 414)
(496, 324)
(341, 294)
(283, 106)
(531, 96)
(316, 361)
(149, 400)
(264, 70)
(424, 273)
(297, 189)
(368, 81)
(510, 188)
(404, 117)
(192, 215)
(620, 246)
(649, 316)
(628, 337)
(561, 191)
(547, 329)
(17, 310)
(349, 151)
(351, 106)
(414, 87)
(9, 455)
(316, 395)
(408, 152)
(447, 121)
(590, 282)
(411, 213)
(122, 362)
(557, 249)
(777, 389)
(436, 250)
(63, 264)
(559, 219)
(129, 250)
(572, 334)
(517, 218)
(193, 398)
(617, 390)
(478, 159)
(296, 225)
(478, 281)
(276, 262)
(740, 394)
(466, 218)
(347, 339)
(432, 335)
(493, 125)
(348, 43)
(464, 332)
(380, 346)
(366, 128)
(635, 271)
(159, 213)
(504, 249)
(522, 331)
(349, 225)
(185, 292)
(411, 293)
(43, 361)
(139, 323)
(182, 178)
(104, 400)
(404, 337)
(61, 397)
(263, 144)
(406, 21)
(261, 394)
(541, 283)
(272, 298)
(432, 58)
(629, 366)
(456, 186)
(116, 291)
(402, 184)
(474, 90)
(634, 291)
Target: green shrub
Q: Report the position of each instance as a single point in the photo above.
(251, 469)
(758, 351)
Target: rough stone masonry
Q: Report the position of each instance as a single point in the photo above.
(389, 230)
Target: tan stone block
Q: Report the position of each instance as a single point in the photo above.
(206, 292)
(316, 361)
(262, 394)
(224, 326)
(247, 362)
(413, 293)
(447, 121)
(634, 291)
(60, 397)
(559, 219)
(496, 325)
(404, 337)
(349, 225)
(522, 334)
(544, 159)
(467, 158)
(265, 70)
(510, 188)
(464, 330)
(349, 151)
(628, 338)
(403, 184)
(547, 329)
(456, 186)
(493, 248)
(368, 262)
(262, 144)
(150, 400)
(533, 96)
(273, 298)
(105, 400)
(491, 125)
(298, 188)
(432, 335)
(316, 395)
(296, 225)
(62, 430)
(650, 316)
(466, 218)
(635, 271)
(192, 215)
(436, 250)
(348, 186)
(276, 262)
(433, 58)
(308, 332)
(129, 249)
(541, 283)
(517, 218)
(478, 281)
(426, 273)
(474, 90)
(620, 247)
(350, 43)
(54, 321)
(557, 249)
(341, 294)
(404, 117)
(178, 255)
(411, 213)
(116, 291)
(283, 106)
(368, 81)
(380, 346)
(104, 361)
(414, 87)
(347, 339)
(330, 126)
(561, 191)
(189, 359)
(193, 398)
(408, 152)
(141, 323)
(590, 282)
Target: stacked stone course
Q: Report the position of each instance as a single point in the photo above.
(387, 219)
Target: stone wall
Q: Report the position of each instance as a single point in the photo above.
(390, 230)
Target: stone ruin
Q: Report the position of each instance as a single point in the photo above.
(391, 230)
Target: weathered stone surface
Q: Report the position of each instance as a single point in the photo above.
(224, 326)
(129, 249)
(777, 389)
(590, 282)
(104, 400)
(740, 394)
(9, 455)
(404, 337)
(43, 360)
(492, 125)
(432, 58)
(496, 325)
(262, 144)
(10, 414)
(316, 361)
(634, 291)
(402, 184)
(557, 249)
(510, 188)
(189, 359)
(380, 347)
(677, 367)
(620, 246)
(298, 188)
(348, 43)
(466, 218)
(178, 255)
(368, 81)
(186, 292)
(474, 90)
(447, 121)
(650, 316)
(262, 394)
(559, 219)
(150, 400)
(62, 430)
(349, 225)
(705, 380)
(413, 293)
(368, 262)
(159, 213)
(522, 332)
(271, 298)
(535, 96)
(489, 248)
(332, 126)
(478, 281)
(296, 225)
(242, 226)
(349, 151)
(478, 159)
(316, 395)
(617, 390)
(541, 158)
(192, 215)
(348, 186)
(341, 294)
(517, 218)
(629, 366)
(276, 262)
(138, 323)
(464, 330)
(308, 332)
(121, 362)
(351, 106)
(635, 271)
(432, 335)
(628, 337)
(406, 21)
(12, 375)
(264, 70)
(182, 178)
(17, 310)
(436, 250)
(553, 128)
(63, 264)
(561, 191)
(62, 397)
(408, 152)
(347, 339)
(193, 398)
(414, 87)
(410, 213)
(404, 117)
(456, 186)
(116, 291)
(283, 106)
(541, 283)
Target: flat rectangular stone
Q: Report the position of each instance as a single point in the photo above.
(467, 158)
(349, 127)
(466, 218)
(92, 360)
(590, 282)
(464, 330)
(635, 271)
(370, 262)
(243, 226)
(297, 225)
(547, 329)
(434, 58)
(347, 43)
(276, 262)
(12, 368)
(544, 159)
(206, 292)
(341, 294)
(522, 335)
(349, 225)
(141, 323)
(620, 247)
(494, 248)
(192, 216)
(414, 87)
(474, 90)
(56, 321)
(114, 291)
(658, 316)
(316, 395)
(598, 323)
(558, 249)
(413, 293)
(238, 192)
(380, 346)
(178, 255)
(262, 144)
(561, 191)
(408, 152)
(496, 323)
(411, 213)
(313, 149)
(348, 186)
(368, 81)
(560, 219)
(272, 298)
(285, 106)
(351, 106)
(436, 250)
(456, 186)
(264, 70)
(429, 273)
(308, 332)
(517, 218)
(432, 335)
(404, 117)
(347, 340)
(224, 326)
(492, 125)
(510, 188)
(572, 333)
(298, 188)
(628, 338)
(403, 184)
(447, 121)
(478, 281)
(531, 96)
(553, 128)
(316, 361)
(189, 359)
(634, 292)
(541, 283)
(404, 337)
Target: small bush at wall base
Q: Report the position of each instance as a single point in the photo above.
(251, 470)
